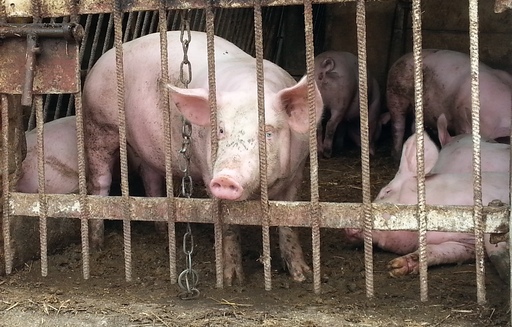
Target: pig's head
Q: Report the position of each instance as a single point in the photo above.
(403, 185)
(235, 173)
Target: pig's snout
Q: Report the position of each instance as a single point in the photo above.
(224, 186)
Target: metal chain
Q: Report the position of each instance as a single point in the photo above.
(188, 279)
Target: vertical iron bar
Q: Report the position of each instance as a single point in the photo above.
(477, 177)
(164, 101)
(118, 36)
(313, 161)
(262, 146)
(365, 147)
(418, 105)
(5, 184)
(212, 97)
(43, 206)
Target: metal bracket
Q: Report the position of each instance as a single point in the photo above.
(55, 46)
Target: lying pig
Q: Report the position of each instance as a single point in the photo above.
(441, 189)
(337, 76)
(495, 157)
(447, 89)
(234, 175)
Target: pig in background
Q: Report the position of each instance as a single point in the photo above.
(235, 173)
(442, 188)
(337, 77)
(447, 89)
(61, 177)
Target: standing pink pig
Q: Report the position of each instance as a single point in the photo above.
(337, 76)
(235, 173)
(447, 89)
(441, 189)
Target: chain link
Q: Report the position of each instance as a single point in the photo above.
(189, 278)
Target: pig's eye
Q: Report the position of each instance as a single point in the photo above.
(268, 135)
(220, 133)
(269, 132)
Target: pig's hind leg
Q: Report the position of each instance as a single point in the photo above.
(437, 254)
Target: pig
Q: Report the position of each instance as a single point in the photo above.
(234, 175)
(447, 89)
(61, 177)
(337, 77)
(441, 189)
(60, 158)
(495, 157)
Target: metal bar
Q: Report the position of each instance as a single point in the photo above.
(43, 208)
(365, 147)
(64, 30)
(313, 156)
(477, 177)
(418, 106)
(282, 213)
(218, 221)
(55, 9)
(118, 36)
(32, 50)
(164, 101)
(262, 147)
(6, 229)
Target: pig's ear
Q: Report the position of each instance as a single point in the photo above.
(192, 103)
(442, 130)
(294, 102)
(327, 65)
(408, 162)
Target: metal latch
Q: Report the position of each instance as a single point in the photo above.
(56, 69)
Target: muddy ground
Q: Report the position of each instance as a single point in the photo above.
(64, 298)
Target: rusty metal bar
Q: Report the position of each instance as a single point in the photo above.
(282, 213)
(477, 176)
(262, 147)
(6, 229)
(218, 221)
(125, 196)
(43, 206)
(32, 50)
(69, 31)
(365, 146)
(313, 155)
(164, 104)
(418, 106)
(57, 9)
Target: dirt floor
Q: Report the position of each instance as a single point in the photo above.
(64, 298)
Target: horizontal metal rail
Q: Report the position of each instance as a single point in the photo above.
(282, 213)
(57, 8)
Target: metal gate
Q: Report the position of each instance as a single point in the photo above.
(129, 20)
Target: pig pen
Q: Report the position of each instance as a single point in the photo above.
(64, 298)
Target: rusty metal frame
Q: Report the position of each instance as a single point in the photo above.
(333, 215)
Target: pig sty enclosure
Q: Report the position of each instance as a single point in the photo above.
(50, 277)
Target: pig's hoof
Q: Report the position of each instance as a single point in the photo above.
(233, 273)
(327, 154)
(298, 270)
(405, 265)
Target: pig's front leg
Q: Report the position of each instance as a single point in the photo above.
(292, 255)
(437, 254)
(232, 255)
(289, 244)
